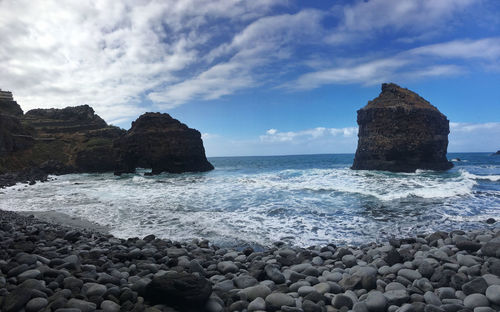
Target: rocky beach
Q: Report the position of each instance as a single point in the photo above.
(52, 267)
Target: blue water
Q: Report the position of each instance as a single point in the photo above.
(304, 200)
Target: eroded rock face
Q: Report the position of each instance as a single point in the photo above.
(400, 131)
(162, 143)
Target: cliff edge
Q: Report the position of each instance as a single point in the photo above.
(400, 131)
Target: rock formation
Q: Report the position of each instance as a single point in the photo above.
(75, 139)
(497, 153)
(162, 143)
(400, 131)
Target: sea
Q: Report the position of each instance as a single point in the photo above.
(302, 200)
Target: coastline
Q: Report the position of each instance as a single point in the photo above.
(46, 267)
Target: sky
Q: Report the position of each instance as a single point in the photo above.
(258, 77)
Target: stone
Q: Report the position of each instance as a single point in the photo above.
(310, 306)
(477, 285)
(397, 297)
(227, 267)
(96, 290)
(28, 274)
(432, 298)
(274, 274)
(244, 281)
(342, 300)
(82, 305)
(491, 248)
(36, 304)
(468, 245)
(493, 294)
(409, 274)
(476, 300)
(275, 301)
(376, 302)
(349, 260)
(16, 300)
(258, 304)
(178, 289)
(426, 269)
(162, 143)
(257, 291)
(400, 131)
(110, 306)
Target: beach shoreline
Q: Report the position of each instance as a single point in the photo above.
(46, 266)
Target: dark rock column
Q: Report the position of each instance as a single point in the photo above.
(162, 143)
(400, 131)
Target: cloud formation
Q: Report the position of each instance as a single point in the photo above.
(124, 57)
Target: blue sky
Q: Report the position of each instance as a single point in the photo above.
(258, 77)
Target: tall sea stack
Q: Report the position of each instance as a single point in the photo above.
(162, 143)
(400, 131)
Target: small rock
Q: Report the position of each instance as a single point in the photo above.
(376, 302)
(227, 267)
(476, 300)
(110, 306)
(493, 294)
(36, 304)
(258, 304)
(342, 300)
(83, 305)
(275, 301)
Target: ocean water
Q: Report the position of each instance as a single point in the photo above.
(304, 200)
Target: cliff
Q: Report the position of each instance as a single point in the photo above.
(75, 139)
(162, 143)
(400, 131)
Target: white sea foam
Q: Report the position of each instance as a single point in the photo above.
(304, 206)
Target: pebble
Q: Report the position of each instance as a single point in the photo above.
(493, 294)
(476, 300)
(376, 302)
(110, 306)
(258, 304)
(275, 301)
(36, 304)
(61, 269)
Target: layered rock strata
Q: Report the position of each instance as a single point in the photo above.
(400, 131)
(75, 139)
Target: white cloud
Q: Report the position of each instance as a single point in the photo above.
(110, 54)
(474, 137)
(300, 137)
(486, 49)
(421, 62)
(117, 55)
(260, 43)
(421, 17)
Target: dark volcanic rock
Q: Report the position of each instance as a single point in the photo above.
(162, 143)
(69, 119)
(10, 108)
(179, 289)
(400, 131)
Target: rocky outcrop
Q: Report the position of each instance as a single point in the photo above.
(162, 143)
(400, 131)
(10, 108)
(497, 153)
(75, 139)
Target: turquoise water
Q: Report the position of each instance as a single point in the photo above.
(305, 200)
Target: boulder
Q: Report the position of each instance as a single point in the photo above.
(400, 131)
(179, 289)
(162, 143)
